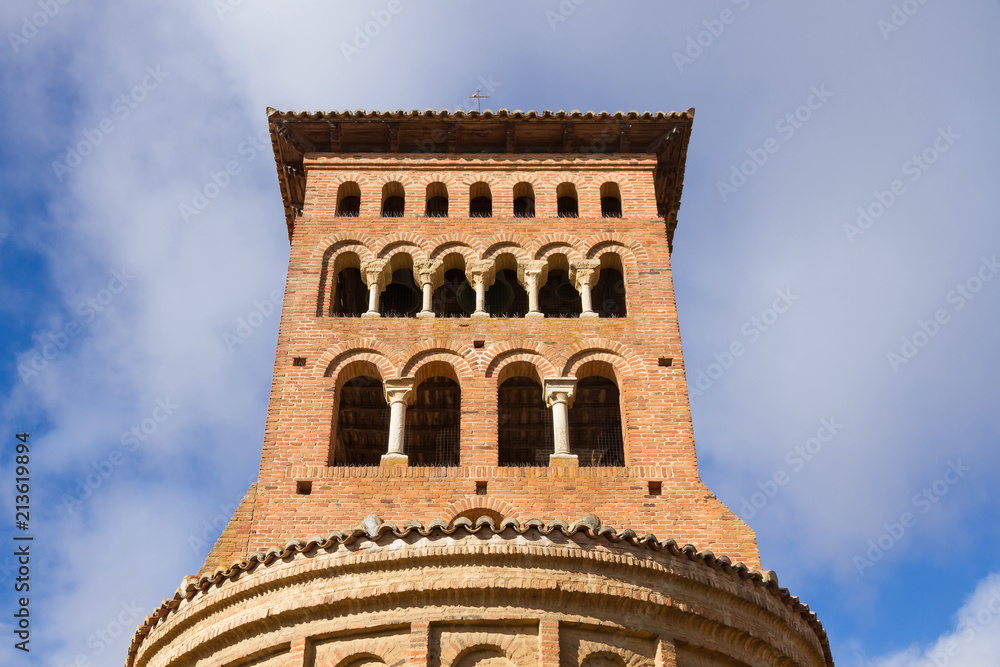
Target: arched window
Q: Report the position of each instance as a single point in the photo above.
(362, 434)
(608, 296)
(432, 423)
(566, 201)
(455, 297)
(349, 297)
(437, 200)
(525, 424)
(348, 200)
(480, 200)
(524, 200)
(558, 297)
(393, 200)
(401, 297)
(611, 200)
(595, 423)
(506, 297)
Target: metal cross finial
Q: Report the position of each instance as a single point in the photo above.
(478, 98)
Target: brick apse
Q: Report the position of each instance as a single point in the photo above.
(478, 447)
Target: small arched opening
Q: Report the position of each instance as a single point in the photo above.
(506, 297)
(348, 200)
(567, 205)
(433, 421)
(437, 200)
(524, 422)
(401, 297)
(558, 297)
(480, 200)
(595, 419)
(362, 433)
(393, 200)
(350, 295)
(524, 200)
(608, 295)
(455, 297)
(611, 200)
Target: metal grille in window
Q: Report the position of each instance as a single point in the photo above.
(525, 424)
(432, 433)
(362, 424)
(595, 427)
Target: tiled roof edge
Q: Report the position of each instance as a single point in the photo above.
(373, 528)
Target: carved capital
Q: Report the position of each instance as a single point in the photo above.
(481, 270)
(428, 271)
(584, 272)
(559, 390)
(532, 271)
(399, 390)
(375, 272)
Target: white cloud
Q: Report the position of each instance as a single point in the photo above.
(973, 641)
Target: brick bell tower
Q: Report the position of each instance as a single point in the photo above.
(479, 432)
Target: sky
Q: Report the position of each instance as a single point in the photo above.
(838, 229)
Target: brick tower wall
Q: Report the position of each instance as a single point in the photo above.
(656, 419)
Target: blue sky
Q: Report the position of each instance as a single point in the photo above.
(841, 168)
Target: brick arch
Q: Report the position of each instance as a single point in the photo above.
(329, 244)
(361, 659)
(403, 178)
(448, 180)
(550, 244)
(604, 655)
(442, 247)
(511, 243)
(626, 363)
(501, 507)
(483, 177)
(339, 178)
(394, 242)
(523, 353)
(598, 244)
(371, 350)
(328, 273)
(438, 353)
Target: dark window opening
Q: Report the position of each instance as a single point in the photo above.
(362, 424)
(558, 297)
(611, 207)
(433, 420)
(349, 207)
(655, 488)
(401, 297)
(525, 424)
(480, 488)
(348, 199)
(481, 207)
(611, 200)
(608, 295)
(595, 423)
(437, 207)
(303, 487)
(506, 297)
(524, 200)
(524, 207)
(350, 294)
(393, 207)
(299, 361)
(567, 207)
(455, 297)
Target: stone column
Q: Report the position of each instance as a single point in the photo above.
(482, 278)
(428, 274)
(584, 274)
(374, 272)
(533, 273)
(559, 394)
(399, 394)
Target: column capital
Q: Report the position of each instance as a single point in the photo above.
(428, 271)
(584, 272)
(559, 390)
(480, 269)
(399, 390)
(375, 271)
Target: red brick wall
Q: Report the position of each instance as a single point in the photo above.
(659, 444)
